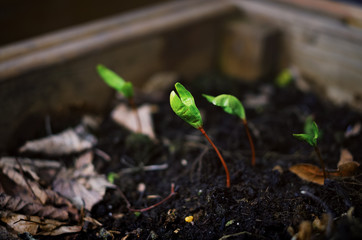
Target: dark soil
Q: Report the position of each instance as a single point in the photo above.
(262, 202)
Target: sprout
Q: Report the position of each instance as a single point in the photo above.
(123, 87)
(185, 107)
(311, 136)
(232, 105)
(115, 81)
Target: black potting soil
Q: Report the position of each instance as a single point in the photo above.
(266, 201)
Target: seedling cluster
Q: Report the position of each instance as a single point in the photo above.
(183, 104)
(185, 107)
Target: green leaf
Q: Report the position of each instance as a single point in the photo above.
(115, 81)
(305, 137)
(309, 126)
(228, 103)
(284, 78)
(311, 134)
(112, 176)
(185, 107)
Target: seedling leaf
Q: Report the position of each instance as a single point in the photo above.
(307, 138)
(185, 107)
(228, 103)
(115, 81)
(311, 135)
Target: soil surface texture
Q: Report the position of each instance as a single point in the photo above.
(266, 201)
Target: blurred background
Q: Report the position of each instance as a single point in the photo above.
(49, 49)
(25, 19)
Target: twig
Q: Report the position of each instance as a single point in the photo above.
(145, 168)
(26, 180)
(157, 204)
(235, 235)
(102, 154)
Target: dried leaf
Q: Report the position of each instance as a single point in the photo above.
(82, 185)
(36, 225)
(345, 157)
(308, 172)
(69, 141)
(16, 204)
(321, 224)
(346, 165)
(312, 173)
(18, 178)
(124, 116)
(348, 169)
(305, 230)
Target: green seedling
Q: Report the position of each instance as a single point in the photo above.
(232, 105)
(125, 88)
(185, 107)
(284, 79)
(311, 135)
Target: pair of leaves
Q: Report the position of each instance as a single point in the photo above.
(228, 103)
(185, 107)
(115, 81)
(311, 133)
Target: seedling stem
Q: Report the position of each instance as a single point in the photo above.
(245, 122)
(316, 149)
(232, 105)
(219, 155)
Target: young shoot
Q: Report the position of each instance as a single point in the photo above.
(232, 105)
(120, 85)
(184, 106)
(311, 136)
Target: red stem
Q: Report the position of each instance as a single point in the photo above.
(135, 111)
(157, 204)
(220, 157)
(250, 142)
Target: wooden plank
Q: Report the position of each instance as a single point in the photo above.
(60, 80)
(324, 49)
(65, 46)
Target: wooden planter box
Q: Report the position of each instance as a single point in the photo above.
(54, 75)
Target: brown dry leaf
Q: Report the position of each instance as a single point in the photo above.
(36, 225)
(345, 157)
(321, 224)
(82, 185)
(17, 204)
(18, 178)
(308, 172)
(346, 165)
(69, 141)
(124, 116)
(305, 231)
(348, 169)
(312, 173)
